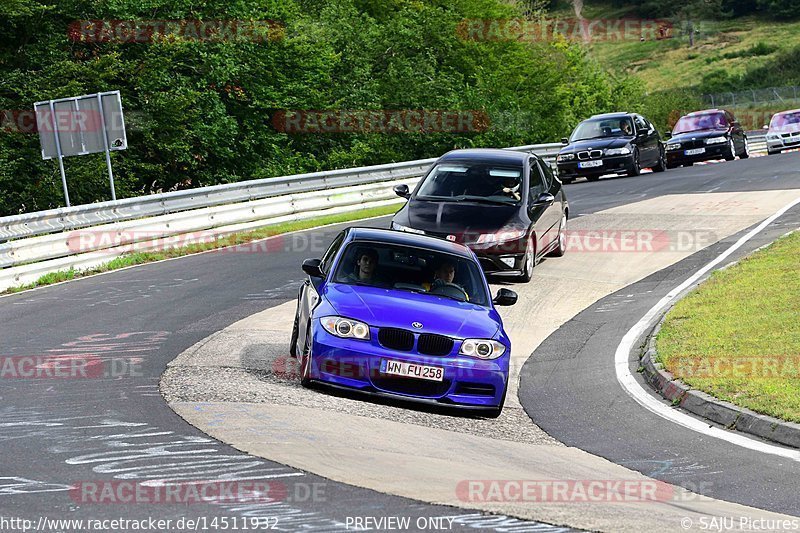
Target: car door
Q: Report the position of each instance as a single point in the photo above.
(648, 142)
(310, 290)
(545, 216)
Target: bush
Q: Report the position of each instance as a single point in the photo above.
(200, 112)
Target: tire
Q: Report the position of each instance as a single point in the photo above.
(494, 413)
(565, 181)
(661, 166)
(305, 362)
(295, 333)
(529, 262)
(561, 249)
(689, 164)
(592, 178)
(731, 155)
(635, 169)
(772, 152)
(746, 152)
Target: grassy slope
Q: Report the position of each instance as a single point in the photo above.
(748, 314)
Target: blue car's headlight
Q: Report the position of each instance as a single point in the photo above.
(345, 328)
(716, 140)
(482, 348)
(565, 157)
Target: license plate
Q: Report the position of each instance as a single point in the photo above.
(412, 370)
(695, 151)
(590, 164)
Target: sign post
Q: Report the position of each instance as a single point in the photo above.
(82, 125)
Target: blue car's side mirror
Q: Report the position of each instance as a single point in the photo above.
(312, 267)
(505, 297)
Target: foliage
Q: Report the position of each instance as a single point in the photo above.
(199, 112)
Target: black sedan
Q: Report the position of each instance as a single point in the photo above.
(706, 135)
(613, 143)
(506, 206)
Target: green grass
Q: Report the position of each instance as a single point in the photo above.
(138, 258)
(735, 46)
(748, 314)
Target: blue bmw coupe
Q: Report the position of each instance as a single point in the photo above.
(403, 315)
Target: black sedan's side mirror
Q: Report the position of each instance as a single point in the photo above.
(402, 191)
(505, 297)
(564, 140)
(544, 199)
(312, 267)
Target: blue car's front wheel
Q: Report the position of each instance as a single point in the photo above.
(305, 361)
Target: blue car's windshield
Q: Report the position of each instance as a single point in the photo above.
(412, 269)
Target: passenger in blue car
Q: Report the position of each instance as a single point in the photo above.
(365, 270)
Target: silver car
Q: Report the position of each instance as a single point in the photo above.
(784, 131)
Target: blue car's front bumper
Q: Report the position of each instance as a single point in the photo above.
(467, 382)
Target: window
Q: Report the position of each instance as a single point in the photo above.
(548, 174)
(411, 269)
(538, 185)
(641, 124)
(472, 181)
(330, 253)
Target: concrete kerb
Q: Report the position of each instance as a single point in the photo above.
(704, 405)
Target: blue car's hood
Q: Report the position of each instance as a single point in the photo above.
(399, 309)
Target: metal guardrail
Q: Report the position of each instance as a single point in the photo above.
(65, 219)
(86, 236)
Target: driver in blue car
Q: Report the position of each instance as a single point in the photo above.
(445, 274)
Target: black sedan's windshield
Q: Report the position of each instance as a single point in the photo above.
(394, 266)
(601, 128)
(473, 182)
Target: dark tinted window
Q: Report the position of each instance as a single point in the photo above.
(411, 269)
(538, 185)
(330, 253)
(466, 180)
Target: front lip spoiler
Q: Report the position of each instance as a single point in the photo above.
(370, 391)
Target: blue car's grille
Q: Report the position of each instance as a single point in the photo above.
(396, 339)
(429, 344)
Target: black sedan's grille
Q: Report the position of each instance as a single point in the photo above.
(430, 344)
(396, 339)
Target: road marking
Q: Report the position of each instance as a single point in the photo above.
(650, 402)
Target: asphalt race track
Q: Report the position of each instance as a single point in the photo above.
(57, 433)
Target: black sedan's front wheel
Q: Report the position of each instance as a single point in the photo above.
(634, 169)
(730, 152)
(529, 261)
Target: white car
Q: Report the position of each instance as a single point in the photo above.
(783, 132)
